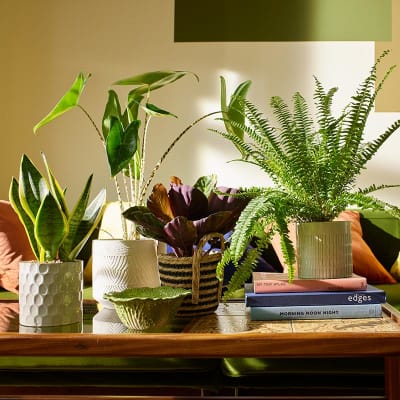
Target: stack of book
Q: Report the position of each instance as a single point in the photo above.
(272, 297)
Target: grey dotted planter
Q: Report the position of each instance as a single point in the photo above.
(50, 294)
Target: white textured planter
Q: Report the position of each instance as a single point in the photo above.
(121, 264)
(324, 250)
(50, 294)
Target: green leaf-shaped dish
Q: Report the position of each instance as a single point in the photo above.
(147, 309)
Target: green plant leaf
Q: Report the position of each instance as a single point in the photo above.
(51, 227)
(55, 188)
(23, 216)
(68, 101)
(153, 110)
(33, 187)
(121, 144)
(206, 184)
(152, 80)
(82, 221)
(112, 109)
(233, 113)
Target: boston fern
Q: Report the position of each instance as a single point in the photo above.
(313, 165)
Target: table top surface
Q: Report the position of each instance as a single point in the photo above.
(228, 332)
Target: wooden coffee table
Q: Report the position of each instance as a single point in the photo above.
(230, 333)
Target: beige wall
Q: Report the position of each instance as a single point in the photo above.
(45, 43)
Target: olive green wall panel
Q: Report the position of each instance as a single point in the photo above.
(282, 20)
(389, 98)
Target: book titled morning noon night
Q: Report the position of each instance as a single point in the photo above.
(371, 295)
(316, 312)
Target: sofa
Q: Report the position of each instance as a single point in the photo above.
(213, 377)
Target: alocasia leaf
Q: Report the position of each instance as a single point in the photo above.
(151, 109)
(68, 101)
(112, 109)
(121, 144)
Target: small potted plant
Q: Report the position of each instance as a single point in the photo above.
(314, 165)
(50, 287)
(192, 220)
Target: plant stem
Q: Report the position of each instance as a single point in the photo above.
(171, 146)
(93, 123)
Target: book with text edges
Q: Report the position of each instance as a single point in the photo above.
(268, 282)
(371, 295)
(316, 312)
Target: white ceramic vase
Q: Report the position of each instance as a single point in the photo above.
(50, 294)
(324, 250)
(121, 264)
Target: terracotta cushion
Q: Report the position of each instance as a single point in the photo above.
(14, 247)
(364, 261)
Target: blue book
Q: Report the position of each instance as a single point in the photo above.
(371, 295)
(316, 312)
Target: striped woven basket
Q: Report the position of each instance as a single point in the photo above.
(197, 273)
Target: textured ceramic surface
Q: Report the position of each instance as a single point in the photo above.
(121, 264)
(50, 294)
(146, 309)
(324, 250)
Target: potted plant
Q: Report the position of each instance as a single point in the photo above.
(50, 287)
(124, 134)
(192, 220)
(127, 260)
(314, 170)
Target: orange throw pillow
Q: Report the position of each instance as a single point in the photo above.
(364, 261)
(14, 247)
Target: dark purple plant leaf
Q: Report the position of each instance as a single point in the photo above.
(219, 202)
(158, 203)
(220, 222)
(188, 202)
(150, 226)
(181, 235)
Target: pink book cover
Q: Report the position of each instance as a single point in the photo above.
(268, 282)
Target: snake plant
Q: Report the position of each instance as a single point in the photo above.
(313, 163)
(54, 232)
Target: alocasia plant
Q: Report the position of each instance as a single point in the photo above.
(182, 215)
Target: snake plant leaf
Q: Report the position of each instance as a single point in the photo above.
(51, 227)
(55, 187)
(153, 110)
(112, 109)
(121, 144)
(23, 216)
(68, 101)
(82, 221)
(33, 187)
(234, 111)
(153, 80)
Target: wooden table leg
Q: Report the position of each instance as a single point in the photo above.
(392, 377)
